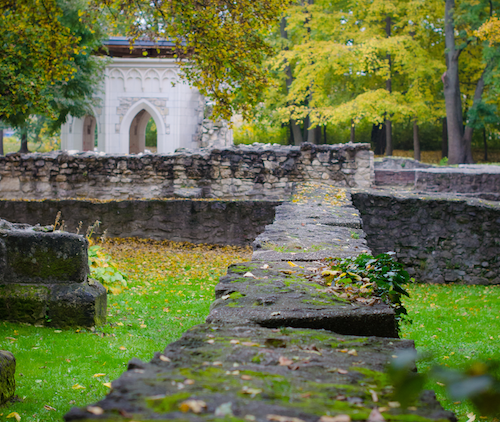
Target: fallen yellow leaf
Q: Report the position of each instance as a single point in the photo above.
(95, 410)
(98, 375)
(122, 348)
(107, 384)
(78, 387)
(14, 415)
(195, 406)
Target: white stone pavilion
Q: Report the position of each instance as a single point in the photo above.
(135, 89)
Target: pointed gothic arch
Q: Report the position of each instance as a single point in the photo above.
(134, 123)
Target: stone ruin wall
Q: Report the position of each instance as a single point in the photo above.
(179, 220)
(476, 180)
(241, 172)
(440, 239)
(242, 362)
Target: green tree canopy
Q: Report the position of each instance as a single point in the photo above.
(219, 43)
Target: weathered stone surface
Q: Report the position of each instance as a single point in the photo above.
(55, 305)
(43, 278)
(465, 179)
(319, 222)
(7, 379)
(248, 364)
(251, 373)
(469, 179)
(260, 171)
(276, 294)
(439, 238)
(198, 221)
(29, 256)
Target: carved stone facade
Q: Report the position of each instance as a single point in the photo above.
(133, 91)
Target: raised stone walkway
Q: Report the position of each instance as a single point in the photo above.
(276, 346)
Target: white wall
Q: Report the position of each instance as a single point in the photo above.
(132, 85)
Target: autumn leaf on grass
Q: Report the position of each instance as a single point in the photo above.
(78, 387)
(107, 384)
(195, 406)
(47, 407)
(98, 375)
(471, 416)
(14, 415)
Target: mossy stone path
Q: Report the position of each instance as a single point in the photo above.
(264, 354)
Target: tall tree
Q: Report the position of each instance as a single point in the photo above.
(349, 61)
(62, 88)
(36, 50)
(466, 21)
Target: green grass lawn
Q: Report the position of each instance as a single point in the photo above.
(454, 326)
(170, 289)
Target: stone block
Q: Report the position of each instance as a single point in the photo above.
(43, 278)
(7, 380)
(37, 257)
(55, 305)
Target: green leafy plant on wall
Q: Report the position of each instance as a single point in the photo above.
(381, 276)
(102, 268)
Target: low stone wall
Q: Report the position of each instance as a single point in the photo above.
(469, 179)
(440, 239)
(195, 221)
(463, 179)
(245, 172)
(44, 278)
(277, 346)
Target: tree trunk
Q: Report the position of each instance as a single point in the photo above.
(24, 141)
(1, 142)
(444, 140)
(353, 132)
(297, 136)
(324, 134)
(485, 141)
(378, 139)
(388, 138)
(416, 142)
(388, 87)
(452, 95)
(467, 140)
(311, 133)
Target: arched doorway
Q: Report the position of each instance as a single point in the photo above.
(88, 136)
(137, 132)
